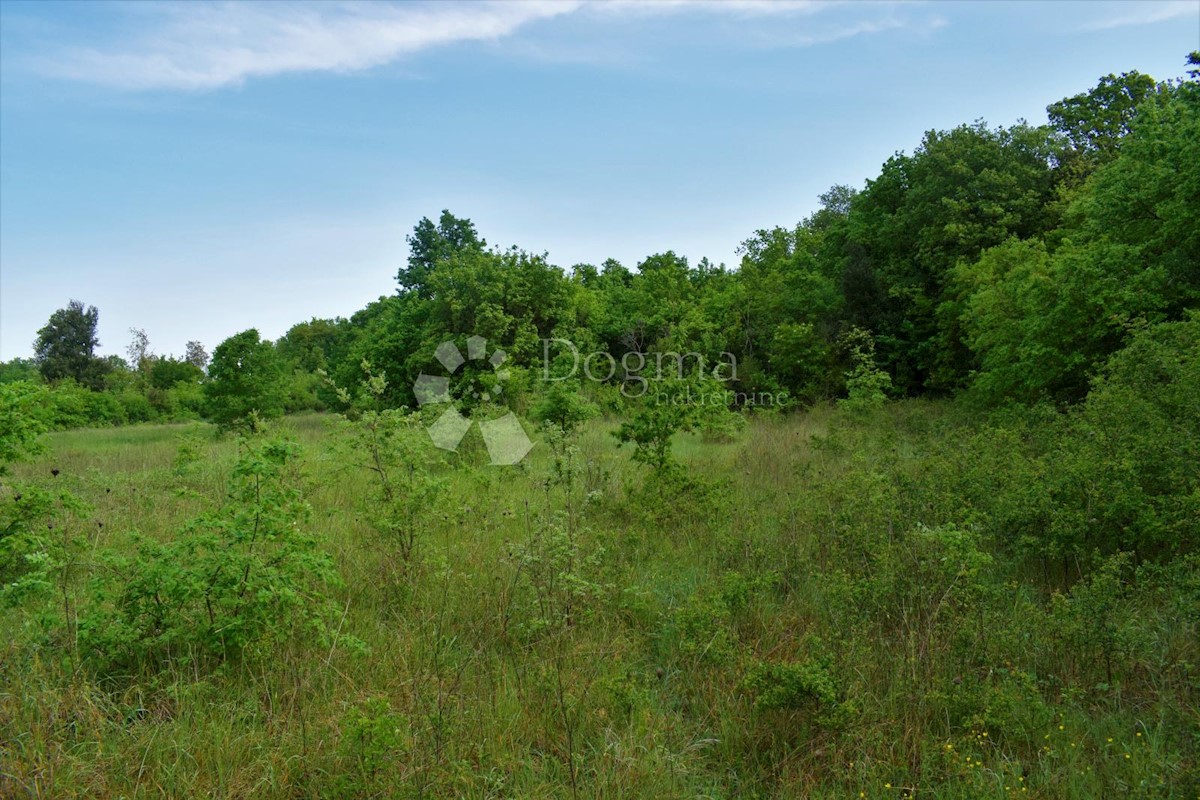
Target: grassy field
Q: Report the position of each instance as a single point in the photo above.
(819, 607)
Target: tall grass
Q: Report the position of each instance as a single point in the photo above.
(815, 548)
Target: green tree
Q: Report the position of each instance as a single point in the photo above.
(66, 346)
(246, 378)
(166, 372)
(790, 305)
(196, 355)
(1095, 122)
(20, 369)
(1041, 320)
(960, 192)
(430, 244)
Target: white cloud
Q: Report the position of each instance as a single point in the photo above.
(1148, 14)
(198, 46)
(203, 46)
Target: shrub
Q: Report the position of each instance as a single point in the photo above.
(867, 385)
(246, 381)
(36, 547)
(136, 406)
(234, 582)
(393, 446)
(563, 407)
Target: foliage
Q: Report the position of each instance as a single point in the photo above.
(196, 355)
(245, 381)
(22, 421)
(866, 384)
(1095, 122)
(166, 372)
(884, 589)
(20, 369)
(792, 686)
(1042, 320)
(430, 244)
(373, 736)
(1010, 261)
(563, 407)
(393, 446)
(653, 423)
(66, 346)
(233, 583)
(994, 594)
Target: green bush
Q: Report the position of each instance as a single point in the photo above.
(75, 406)
(136, 406)
(232, 584)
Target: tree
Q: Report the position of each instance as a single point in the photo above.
(140, 356)
(245, 379)
(431, 244)
(1095, 121)
(20, 369)
(316, 344)
(962, 191)
(66, 346)
(166, 372)
(196, 355)
(1041, 321)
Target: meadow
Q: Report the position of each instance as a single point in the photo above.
(902, 504)
(824, 604)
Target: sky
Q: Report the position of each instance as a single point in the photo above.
(197, 169)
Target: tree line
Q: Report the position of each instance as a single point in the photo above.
(999, 264)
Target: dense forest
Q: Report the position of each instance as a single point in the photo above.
(936, 537)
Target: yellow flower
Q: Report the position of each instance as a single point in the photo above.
(887, 786)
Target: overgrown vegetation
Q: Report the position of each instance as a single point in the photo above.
(966, 568)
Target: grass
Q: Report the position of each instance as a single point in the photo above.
(786, 547)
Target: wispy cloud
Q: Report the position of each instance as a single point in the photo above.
(1148, 14)
(198, 46)
(205, 46)
(746, 8)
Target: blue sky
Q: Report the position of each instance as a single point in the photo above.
(198, 169)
